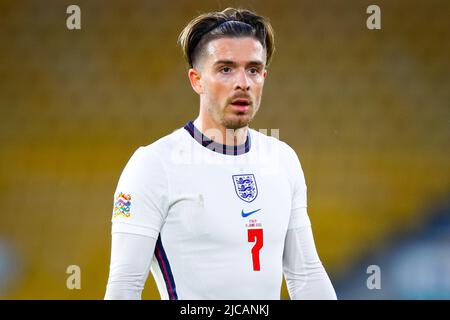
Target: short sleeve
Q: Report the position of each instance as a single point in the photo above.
(141, 196)
(299, 215)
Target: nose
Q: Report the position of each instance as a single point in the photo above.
(242, 81)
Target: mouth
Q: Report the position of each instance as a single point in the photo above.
(241, 104)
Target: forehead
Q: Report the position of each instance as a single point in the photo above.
(237, 49)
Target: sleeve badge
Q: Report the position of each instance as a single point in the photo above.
(122, 205)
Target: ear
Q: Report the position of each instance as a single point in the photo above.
(265, 73)
(194, 78)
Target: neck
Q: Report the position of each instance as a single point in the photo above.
(220, 134)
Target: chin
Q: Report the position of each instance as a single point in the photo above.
(237, 122)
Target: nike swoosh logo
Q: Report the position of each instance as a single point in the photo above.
(246, 214)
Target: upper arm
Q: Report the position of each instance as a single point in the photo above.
(299, 216)
(131, 257)
(141, 196)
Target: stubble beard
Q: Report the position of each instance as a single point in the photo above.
(233, 121)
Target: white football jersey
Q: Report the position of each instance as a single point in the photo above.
(220, 214)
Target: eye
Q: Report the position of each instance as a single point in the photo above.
(254, 70)
(225, 70)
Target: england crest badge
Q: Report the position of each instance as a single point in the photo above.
(245, 187)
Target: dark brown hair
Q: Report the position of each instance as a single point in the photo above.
(230, 22)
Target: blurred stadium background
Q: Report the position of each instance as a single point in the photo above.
(367, 112)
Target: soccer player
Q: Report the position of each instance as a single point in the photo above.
(215, 209)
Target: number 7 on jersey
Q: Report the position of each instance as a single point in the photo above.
(256, 235)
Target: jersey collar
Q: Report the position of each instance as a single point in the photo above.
(217, 147)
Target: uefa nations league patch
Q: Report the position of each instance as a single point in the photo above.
(122, 205)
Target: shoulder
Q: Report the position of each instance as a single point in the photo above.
(152, 157)
(164, 144)
(263, 141)
(160, 149)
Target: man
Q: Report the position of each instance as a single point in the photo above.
(217, 210)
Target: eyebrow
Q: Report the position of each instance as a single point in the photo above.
(232, 63)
